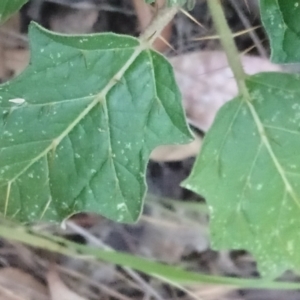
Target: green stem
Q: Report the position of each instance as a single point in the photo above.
(170, 274)
(228, 44)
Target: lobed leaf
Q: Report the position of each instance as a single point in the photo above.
(9, 7)
(281, 20)
(249, 172)
(78, 126)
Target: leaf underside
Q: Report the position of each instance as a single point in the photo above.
(281, 20)
(249, 172)
(77, 127)
(9, 7)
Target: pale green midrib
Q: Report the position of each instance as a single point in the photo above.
(98, 98)
(268, 146)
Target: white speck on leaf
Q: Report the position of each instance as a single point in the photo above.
(121, 206)
(259, 187)
(18, 101)
(290, 246)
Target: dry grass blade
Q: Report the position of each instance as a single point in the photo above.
(96, 242)
(247, 24)
(249, 49)
(105, 289)
(188, 291)
(176, 152)
(215, 293)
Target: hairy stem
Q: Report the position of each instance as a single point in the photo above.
(228, 44)
(154, 30)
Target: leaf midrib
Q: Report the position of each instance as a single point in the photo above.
(267, 144)
(98, 99)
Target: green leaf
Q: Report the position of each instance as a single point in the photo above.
(281, 20)
(77, 127)
(249, 172)
(9, 7)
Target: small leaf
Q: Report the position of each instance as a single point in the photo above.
(281, 20)
(249, 173)
(78, 126)
(9, 7)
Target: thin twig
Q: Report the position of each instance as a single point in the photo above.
(104, 288)
(154, 30)
(97, 242)
(260, 48)
(13, 34)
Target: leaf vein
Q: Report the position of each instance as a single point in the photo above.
(270, 150)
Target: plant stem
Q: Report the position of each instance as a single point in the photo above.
(170, 274)
(228, 44)
(162, 19)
